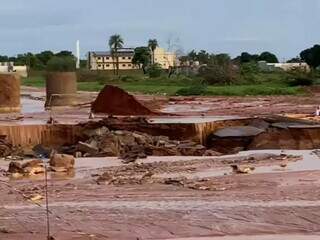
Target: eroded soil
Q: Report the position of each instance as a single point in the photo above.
(187, 205)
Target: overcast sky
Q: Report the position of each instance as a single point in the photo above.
(232, 26)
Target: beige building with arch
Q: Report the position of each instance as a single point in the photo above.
(164, 58)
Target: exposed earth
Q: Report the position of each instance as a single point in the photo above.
(258, 194)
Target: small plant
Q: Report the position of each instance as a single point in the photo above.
(194, 90)
(155, 71)
(297, 77)
(301, 81)
(61, 64)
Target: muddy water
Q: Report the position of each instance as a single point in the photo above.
(309, 162)
(31, 106)
(256, 237)
(85, 167)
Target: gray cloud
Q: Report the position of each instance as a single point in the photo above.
(231, 26)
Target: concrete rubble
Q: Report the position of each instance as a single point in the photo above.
(132, 145)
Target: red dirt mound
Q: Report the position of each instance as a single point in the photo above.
(115, 101)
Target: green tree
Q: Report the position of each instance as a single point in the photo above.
(193, 55)
(4, 58)
(203, 57)
(268, 57)
(311, 56)
(115, 43)
(246, 57)
(153, 44)
(45, 56)
(61, 64)
(64, 53)
(142, 57)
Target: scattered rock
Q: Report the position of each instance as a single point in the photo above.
(29, 168)
(36, 198)
(87, 148)
(211, 153)
(62, 162)
(242, 169)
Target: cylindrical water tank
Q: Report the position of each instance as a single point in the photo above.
(9, 93)
(61, 88)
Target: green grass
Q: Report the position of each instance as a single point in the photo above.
(34, 81)
(165, 86)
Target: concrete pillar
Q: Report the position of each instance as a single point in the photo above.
(61, 88)
(9, 93)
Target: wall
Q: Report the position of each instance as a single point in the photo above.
(22, 71)
(165, 59)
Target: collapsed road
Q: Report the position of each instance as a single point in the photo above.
(161, 177)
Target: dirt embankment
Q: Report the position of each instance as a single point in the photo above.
(115, 101)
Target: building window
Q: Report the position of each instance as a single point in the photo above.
(129, 58)
(99, 65)
(129, 65)
(123, 65)
(107, 58)
(107, 65)
(123, 57)
(99, 58)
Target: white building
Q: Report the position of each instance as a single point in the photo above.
(8, 67)
(264, 66)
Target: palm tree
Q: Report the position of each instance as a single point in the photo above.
(115, 43)
(153, 44)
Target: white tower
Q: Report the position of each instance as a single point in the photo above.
(78, 54)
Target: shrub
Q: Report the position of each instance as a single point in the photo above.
(128, 78)
(194, 90)
(297, 77)
(93, 76)
(301, 81)
(219, 74)
(248, 72)
(61, 64)
(154, 71)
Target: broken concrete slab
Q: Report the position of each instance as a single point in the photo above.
(240, 131)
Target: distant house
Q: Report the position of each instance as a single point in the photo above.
(9, 67)
(104, 61)
(165, 59)
(271, 67)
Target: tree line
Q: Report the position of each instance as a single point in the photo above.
(36, 61)
(311, 56)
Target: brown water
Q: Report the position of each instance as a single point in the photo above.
(85, 167)
(309, 162)
(31, 106)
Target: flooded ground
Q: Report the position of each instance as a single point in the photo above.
(170, 197)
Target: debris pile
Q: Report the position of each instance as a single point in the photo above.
(5, 147)
(115, 101)
(26, 169)
(130, 146)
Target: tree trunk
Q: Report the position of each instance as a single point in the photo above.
(117, 64)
